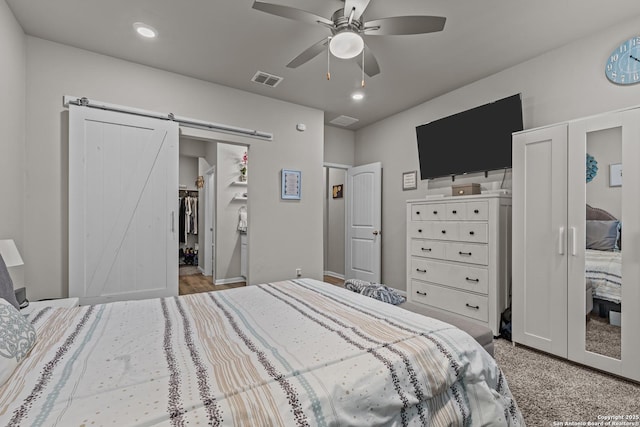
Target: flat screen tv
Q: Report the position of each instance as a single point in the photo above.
(475, 140)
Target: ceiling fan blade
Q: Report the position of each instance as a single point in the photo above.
(309, 54)
(359, 5)
(404, 25)
(371, 67)
(291, 13)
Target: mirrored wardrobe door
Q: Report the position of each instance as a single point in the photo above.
(595, 261)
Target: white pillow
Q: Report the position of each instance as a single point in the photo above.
(17, 337)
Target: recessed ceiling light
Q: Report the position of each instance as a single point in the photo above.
(145, 30)
(357, 96)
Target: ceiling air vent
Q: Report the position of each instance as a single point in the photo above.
(343, 121)
(266, 79)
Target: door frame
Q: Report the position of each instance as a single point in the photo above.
(210, 221)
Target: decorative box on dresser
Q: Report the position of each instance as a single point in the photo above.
(459, 255)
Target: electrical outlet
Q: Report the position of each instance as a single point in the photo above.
(298, 272)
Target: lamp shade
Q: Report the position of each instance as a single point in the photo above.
(10, 253)
(346, 44)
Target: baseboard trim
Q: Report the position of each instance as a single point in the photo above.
(332, 274)
(230, 280)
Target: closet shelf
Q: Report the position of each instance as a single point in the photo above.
(244, 183)
(239, 198)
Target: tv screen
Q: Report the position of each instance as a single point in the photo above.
(475, 140)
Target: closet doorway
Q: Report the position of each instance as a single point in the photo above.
(210, 255)
(335, 177)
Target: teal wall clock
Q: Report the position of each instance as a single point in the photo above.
(623, 66)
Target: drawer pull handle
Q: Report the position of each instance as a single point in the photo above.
(476, 211)
(426, 249)
(473, 306)
(472, 233)
(472, 280)
(464, 253)
(420, 230)
(421, 293)
(421, 271)
(435, 212)
(444, 231)
(417, 212)
(454, 212)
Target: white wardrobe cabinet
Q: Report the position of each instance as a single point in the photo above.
(559, 270)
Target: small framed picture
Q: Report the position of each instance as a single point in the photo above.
(337, 191)
(409, 180)
(615, 175)
(291, 184)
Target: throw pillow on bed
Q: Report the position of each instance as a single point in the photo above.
(6, 285)
(374, 290)
(602, 235)
(17, 337)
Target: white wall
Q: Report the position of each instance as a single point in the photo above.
(563, 84)
(54, 70)
(606, 147)
(187, 172)
(227, 234)
(12, 129)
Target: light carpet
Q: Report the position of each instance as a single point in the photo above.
(548, 389)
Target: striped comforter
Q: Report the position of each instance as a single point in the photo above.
(604, 272)
(295, 353)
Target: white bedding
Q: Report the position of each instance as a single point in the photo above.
(292, 353)
(604, 272)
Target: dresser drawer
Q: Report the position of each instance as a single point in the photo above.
(460, 276)
(473, 232)
(470, 253)
(477, 211)
(444, 230)
(428, 248)
(460, 302)
(419, 229)
(428, 212)
(456, 211)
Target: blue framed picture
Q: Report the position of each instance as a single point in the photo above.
(291, 184)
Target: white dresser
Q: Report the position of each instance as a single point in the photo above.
(459, 255)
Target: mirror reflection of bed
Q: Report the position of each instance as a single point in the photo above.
(603, 281)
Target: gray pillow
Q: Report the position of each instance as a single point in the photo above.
(602, 235)
(6, 285)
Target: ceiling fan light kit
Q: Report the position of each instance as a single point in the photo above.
(348, 29)
(346, 45)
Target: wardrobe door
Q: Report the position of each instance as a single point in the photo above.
(539, 312)
(603, 269)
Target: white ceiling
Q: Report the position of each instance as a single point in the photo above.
(226, 42)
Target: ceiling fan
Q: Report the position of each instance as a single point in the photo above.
(348, 28)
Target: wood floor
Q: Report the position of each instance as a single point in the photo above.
(196, 283)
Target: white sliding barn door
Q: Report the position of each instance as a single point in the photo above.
(123, 206)
(364, 221)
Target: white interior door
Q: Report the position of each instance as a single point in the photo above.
(364, 221)
(123, 204)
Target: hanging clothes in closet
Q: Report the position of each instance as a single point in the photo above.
(188, 216)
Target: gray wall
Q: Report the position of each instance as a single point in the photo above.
(12, 129)
(563, 84)
(54, 70)
(339, 145)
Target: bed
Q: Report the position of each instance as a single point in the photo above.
(292, 353)
(603, 259)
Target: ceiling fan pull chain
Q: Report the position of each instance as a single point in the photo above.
(328, 59)
(362, 84)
